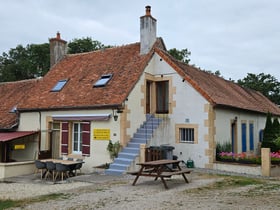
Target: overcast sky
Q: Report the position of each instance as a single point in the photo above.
(235, 37)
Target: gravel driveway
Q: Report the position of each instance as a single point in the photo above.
(98, 191)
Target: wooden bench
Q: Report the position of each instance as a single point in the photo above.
(169, 174)
(148, 170)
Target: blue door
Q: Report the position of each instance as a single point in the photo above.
(244, 140)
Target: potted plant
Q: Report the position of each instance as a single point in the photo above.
(113, 149)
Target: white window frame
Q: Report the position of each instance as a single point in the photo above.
(80, 131)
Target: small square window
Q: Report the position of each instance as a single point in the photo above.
(59, 85)
(103, 80)
(186, 133)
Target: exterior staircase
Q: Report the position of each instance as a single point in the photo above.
(129, 153)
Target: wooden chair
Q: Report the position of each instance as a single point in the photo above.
(40, 166)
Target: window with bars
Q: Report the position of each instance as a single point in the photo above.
(187, 133)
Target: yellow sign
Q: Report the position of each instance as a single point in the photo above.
(20, 146)
(101, 134)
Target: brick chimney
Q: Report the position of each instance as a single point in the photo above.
(58, 49)
(148, 31)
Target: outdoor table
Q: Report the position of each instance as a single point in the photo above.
(70, 163)
(160, 169)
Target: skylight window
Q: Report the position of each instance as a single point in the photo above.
(59, 85)
(103, 80)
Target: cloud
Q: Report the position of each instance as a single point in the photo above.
(233, 36)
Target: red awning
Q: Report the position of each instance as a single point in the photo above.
(8, 136)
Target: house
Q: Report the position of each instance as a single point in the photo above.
(15, 146)
(138, 94)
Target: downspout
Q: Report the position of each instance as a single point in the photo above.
(40, 133)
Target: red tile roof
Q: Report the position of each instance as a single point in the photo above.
(82, 71)
(221, 92)
(11, 93)
(126, 65)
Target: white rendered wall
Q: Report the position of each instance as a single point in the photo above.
(136, 115)
(189, 109)
(98, 148)
(223, 126)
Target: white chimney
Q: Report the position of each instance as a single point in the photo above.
(148, 31)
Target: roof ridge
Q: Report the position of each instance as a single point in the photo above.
(103, 49)
(21, 81)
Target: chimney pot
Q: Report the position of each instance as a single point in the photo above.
(148, 10)
(58, 35)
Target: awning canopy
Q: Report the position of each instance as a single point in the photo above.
(8, 136)
(82, 117)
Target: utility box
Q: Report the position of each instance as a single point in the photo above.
(167, 151)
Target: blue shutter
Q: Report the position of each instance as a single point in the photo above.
(251, 133)
(244, 140)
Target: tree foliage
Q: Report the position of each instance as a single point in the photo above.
(271, 133)
(24, 62)
(84, 45)
(265, 83)
(34, 60)
(181, 55)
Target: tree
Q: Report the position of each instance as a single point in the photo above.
(84, 45)
(24, 62)
(269, 135)
(34, 60)
(265, 83)
(276, 127)
(181, 55)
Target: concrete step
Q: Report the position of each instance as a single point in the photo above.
(131, 150)
(116, 166)
(114, 172)
(130, 156)
(123, 161)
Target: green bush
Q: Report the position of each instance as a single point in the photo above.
(271, 134)
(113, 149)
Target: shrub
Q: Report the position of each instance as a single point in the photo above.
(113, 149)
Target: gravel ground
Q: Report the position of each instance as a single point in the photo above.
(98, 191)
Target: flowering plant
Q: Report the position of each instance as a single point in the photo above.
(247, 158)
(275, 157)
(239, 157)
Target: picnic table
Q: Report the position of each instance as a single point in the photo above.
(160, 169)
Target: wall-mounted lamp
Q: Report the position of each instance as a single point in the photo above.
(235, 119)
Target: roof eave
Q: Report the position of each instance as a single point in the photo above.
(65, 108)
